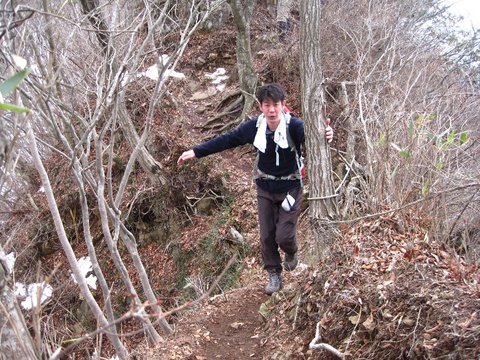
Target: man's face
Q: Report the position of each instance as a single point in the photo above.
(272, 111)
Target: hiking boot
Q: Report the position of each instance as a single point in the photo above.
(274, 282)
(290, 262)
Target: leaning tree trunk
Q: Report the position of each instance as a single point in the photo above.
(242, 15)
(115, 340)
(323, 205)
(15, 340)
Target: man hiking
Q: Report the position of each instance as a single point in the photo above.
(277, 136)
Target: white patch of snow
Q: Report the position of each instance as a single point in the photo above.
(216, 73)
(221, 87)
(174, 74)
(31, 294)
(165, 59)
(9, 261)
(151, 73)
(19, 61)
(218, 77)
(20, 290)
(85, 265)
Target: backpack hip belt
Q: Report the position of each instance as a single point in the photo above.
(259, 174)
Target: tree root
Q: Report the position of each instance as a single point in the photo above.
(225, 101)
(314, 345)
(235, 106)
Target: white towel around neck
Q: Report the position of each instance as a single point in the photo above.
(279, 137)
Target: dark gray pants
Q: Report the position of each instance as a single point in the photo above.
(278, 228)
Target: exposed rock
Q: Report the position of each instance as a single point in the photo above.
(201, 109)
(158, 236)
(237, 237)
(202, 95)
(200, 61)
(205, 206)
(193, 86)
(212, 56)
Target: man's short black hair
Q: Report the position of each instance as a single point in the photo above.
(270, 91)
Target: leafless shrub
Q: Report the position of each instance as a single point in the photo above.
(83, 55)
(403, 88)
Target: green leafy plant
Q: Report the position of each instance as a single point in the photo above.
(8, 86)
(404, 153)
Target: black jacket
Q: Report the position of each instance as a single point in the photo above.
(245, 134)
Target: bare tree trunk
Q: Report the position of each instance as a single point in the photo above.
(350, 162)
(52, 204)
(90, 8)
(77, 170)
(131, 245)
(146, 160)
(15, 340)
(242, 15)
(323, 206)
(284, 22)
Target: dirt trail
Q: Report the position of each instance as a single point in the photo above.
(229, 326)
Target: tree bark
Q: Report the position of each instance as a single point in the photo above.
(242, 15)
(323, 204)
(97, 21)
(15, 340)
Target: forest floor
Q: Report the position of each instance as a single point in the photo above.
(235, 324)
(229, 326)
(388, 291)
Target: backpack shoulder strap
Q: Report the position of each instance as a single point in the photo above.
(291, 143)
(293, 147)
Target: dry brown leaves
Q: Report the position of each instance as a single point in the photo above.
(388, 292)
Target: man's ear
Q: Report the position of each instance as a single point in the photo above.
(259, 104)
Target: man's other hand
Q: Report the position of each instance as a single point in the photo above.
(328, 131)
